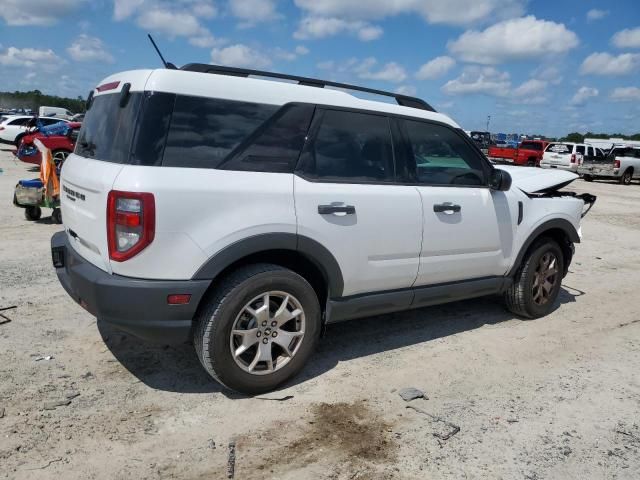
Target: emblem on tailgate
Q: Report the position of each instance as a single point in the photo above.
(72, 194)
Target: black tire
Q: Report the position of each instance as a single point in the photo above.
(626, 177)
(56, 216)
(18, 140)
(519, 298)
(587, 178)
(531, 162)
(217, 315)
(32, 213)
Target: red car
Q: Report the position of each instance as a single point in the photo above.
(528, 153)
(60, 145)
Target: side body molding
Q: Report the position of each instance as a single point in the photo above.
(309, 248)
(555, 224)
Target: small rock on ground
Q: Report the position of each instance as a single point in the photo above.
(411, 393)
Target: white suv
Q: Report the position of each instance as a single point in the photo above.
(245, 214)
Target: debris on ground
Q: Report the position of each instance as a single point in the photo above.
(212, 444)
(53, 404)
(281, 399)
(231, 461)
(3, 318)
(1, 412)
(47, 358)
(411, 393)
(451, 428)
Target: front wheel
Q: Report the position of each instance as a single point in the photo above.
(32, 213)
(258, 328)
(536, 286)
(56, 216)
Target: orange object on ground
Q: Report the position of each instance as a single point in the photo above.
(48, 174)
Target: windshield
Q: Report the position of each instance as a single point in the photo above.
(107, 130)
(531, 146)
(559, 148)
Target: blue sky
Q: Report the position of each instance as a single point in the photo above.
(535, 66)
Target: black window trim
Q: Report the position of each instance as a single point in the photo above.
(486, 166)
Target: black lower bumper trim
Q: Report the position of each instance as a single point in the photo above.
(133, 305)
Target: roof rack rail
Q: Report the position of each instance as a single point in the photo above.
(402, 100)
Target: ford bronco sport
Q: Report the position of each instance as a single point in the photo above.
(245, 214)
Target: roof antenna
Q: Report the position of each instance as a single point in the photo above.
(166, 64)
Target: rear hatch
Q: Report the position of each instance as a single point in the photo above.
(558, 155)
(102, 150)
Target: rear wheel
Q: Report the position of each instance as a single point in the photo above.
(56, 216)
(531, 162)
(626, 177)
(258, 328)
(536, 286)
(32, 213)
(18, 140)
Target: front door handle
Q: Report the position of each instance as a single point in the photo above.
(446, 207)
(329, 209)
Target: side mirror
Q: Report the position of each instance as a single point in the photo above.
(499, 180)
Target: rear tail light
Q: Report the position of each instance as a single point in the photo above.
(131, 223)
(573, 158)
(616, 163)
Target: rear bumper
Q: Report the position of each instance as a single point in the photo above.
(133, 305)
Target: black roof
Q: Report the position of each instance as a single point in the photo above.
(403, 100)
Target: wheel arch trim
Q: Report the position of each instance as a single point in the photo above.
(315, 252)
(555, 224)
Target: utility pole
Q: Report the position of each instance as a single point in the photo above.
(488, 121)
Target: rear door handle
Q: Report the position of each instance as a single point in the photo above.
(329, 209)
(446, 207)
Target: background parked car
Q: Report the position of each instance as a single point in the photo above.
(528, 153)
(563, 155)
(57, 112)
(61, 145)
(14, 127)
(622, 163)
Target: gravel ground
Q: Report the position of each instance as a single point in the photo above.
(557, 397)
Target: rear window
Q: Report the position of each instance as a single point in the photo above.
(531, 146)
(560, 148)
(107, 130)
(204, 131)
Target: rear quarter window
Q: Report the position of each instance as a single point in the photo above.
(204, 131)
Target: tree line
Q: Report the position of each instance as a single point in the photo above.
(577, 137)
(35, 99)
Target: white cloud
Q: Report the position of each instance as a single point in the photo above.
(251, 12)
(530, 87)
(409, 90)
(452, 12)
(290, 55)
(390, 72)
(516, 39)
(479, 80)
(36, 12)
(239, 55)
(321, 27)
(28, 57)
(180, 18)
(435, 68)
(89, 49)
(596, 14)
(607, 64)
(627, 38)
(548, 73)
(583, 94)
(625, 94)
(302, 50)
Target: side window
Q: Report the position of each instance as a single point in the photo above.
(351, 146)
(275, 146)
(204, 131)
(19, 121)
(580, 149)
(442, 157)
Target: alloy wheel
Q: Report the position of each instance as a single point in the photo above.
(545, 278)
(267, 333)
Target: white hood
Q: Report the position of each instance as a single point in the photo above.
(533, 180)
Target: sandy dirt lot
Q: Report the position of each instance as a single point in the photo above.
(554, 398)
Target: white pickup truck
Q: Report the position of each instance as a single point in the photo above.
(622, 163)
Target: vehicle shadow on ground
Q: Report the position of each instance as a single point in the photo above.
(177, 368)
